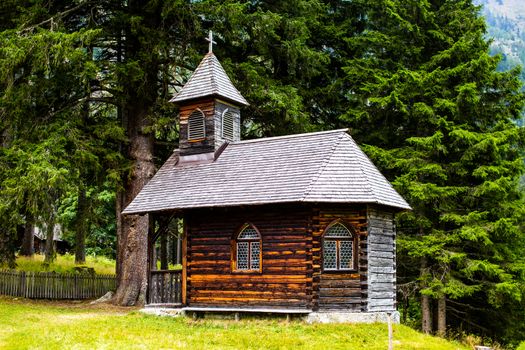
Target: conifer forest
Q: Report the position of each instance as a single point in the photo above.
(85, 121)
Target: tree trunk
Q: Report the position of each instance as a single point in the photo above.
(118, 209)
(164, 250)
(28, 242)
(406, 305)
(442, 317)
(50, 241)
(179, 250)
(426, 313)
(139, 97)
(81, 227)
(132, 249)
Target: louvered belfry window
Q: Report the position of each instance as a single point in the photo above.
(196, 125)
(338, 248)
(248, 249)
(228, 122)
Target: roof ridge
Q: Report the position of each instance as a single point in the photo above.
(369, 187)
(290, 136)
(374, 194)
(209, 79)
(211, 65)
(322, 167)
(193, 75)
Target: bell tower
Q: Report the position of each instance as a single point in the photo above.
(209, 109)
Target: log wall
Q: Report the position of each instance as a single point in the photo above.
(212, 110)
(205, 145)
(285, 278)
(333, 290)
(381, 260)
(220, 107)
(291, 275)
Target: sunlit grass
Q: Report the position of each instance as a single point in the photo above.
(65, 263)
(51, 325)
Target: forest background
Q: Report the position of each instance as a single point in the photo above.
(85, 121)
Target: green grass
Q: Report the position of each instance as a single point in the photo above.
(65, 263)
(51, 325)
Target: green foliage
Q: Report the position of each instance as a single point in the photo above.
(101, 240)
(413, 80)
(65, 264)
(440, 122)
(86, 327)
(54, 140)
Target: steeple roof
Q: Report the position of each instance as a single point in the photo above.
(209, 79)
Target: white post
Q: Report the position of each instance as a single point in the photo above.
(390, 332)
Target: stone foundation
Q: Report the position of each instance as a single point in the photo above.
(312, 317)
(351, 317)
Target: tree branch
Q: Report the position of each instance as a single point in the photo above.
(52, 18)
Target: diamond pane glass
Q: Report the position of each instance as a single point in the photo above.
(248, 233)
(338, 230)
(345, 255)
(329, 255)
(242, 256)
(255, 255)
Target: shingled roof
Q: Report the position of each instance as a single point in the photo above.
(315, 167)
(209, 79)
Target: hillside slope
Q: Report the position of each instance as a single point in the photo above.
(506, 27)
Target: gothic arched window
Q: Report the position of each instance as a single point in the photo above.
(338, 248)
(196, 125)
(247, 249)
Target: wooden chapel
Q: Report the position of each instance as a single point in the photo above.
(291, 224)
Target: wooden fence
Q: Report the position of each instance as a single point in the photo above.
(51, 285)
(165, 287)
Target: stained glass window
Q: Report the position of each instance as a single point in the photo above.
(248, 249)
(338, 248)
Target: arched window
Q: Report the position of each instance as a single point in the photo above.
(228, 121)
(196, 125)
(338, 248)
(247, 249)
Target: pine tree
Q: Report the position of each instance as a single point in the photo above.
(444, 131)
(46, 71)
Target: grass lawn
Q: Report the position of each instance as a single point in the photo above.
(28, 324)
(65, 263)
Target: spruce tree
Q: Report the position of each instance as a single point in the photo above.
(440, 121)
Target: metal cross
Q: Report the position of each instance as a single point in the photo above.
(210, 40)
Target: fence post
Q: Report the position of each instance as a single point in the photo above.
(23, 284)
(50, 285)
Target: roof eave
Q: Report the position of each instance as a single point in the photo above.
(399, 207)
(243, 102)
